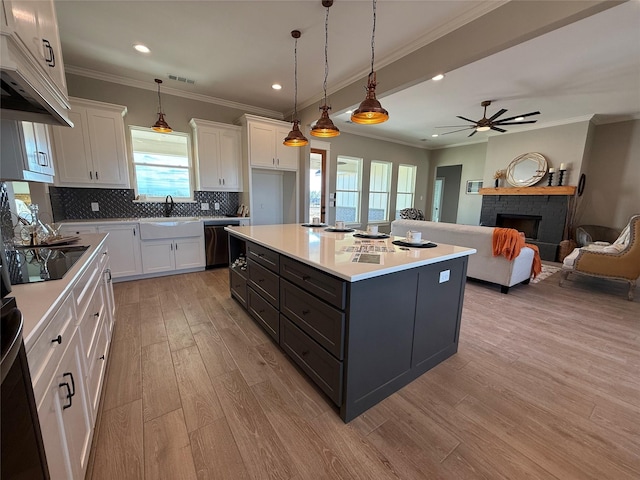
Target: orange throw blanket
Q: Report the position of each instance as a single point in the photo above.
(508, 242)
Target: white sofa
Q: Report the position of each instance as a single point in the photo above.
(483, 265)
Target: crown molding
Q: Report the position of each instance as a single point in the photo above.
(476, 11)
(599, 119)
(130, 82)
(351, 131)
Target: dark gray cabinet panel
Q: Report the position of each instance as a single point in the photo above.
(264, 313)
(323, 368)
(435, 331)
(322, 322)
(238, 285)
(328, 288)
(267, 258)
(265, 282)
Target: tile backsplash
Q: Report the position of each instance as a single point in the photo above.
(75, 204)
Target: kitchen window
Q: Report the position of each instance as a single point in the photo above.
(348, 187)
(161, 164)
(379, 189)
(406, 187)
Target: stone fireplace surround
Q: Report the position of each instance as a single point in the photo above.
(552, 210)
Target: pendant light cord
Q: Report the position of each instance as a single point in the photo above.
(295, 80)
(326, 56)
(373, 36)
(159, 100)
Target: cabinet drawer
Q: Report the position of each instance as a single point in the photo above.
(265, 282)
(95, 372)
(323, 368)
(323, 323)
(238, 286)
(90, 322)
(264, 256)
(264, 313)
(46, 352)
(83, 289)
(328, 288)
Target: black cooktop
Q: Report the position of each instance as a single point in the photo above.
(29, 264)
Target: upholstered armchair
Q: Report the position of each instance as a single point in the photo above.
(618, 261)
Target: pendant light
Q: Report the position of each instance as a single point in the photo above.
(161, 125)
(295, 137)
(324, 127)
(370, 111)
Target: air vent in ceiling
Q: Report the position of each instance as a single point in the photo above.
(181, 79)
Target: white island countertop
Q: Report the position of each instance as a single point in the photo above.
(334, 253)
(39, 301)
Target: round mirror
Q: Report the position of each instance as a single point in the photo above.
(526, 170)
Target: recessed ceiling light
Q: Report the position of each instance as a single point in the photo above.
(434, 135)
(438, 77)
(276, 86)
(141, 48)
(519, 119)
(349, 112)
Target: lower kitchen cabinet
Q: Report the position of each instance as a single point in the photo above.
(124, 249)
(172, 254)
(65, 416)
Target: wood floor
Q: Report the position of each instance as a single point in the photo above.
(546, 384)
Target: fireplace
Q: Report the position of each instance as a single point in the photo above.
(528, 224)
(541, 217)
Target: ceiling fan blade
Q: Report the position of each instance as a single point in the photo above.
(467, 119)
(497, 114)
(473, 133)
(454, 126)
(501, 130)
(515, 123)
(455, 131)
(518, 116)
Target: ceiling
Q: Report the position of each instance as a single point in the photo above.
(235, 50)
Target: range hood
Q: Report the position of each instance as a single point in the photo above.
(26, 93)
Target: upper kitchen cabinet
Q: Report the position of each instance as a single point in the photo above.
(93, 153)
(26, 152)
(218, 153)
(264, 144)
(34, 85)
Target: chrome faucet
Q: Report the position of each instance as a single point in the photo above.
(168, 205)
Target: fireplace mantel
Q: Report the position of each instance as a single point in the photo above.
(564, 190)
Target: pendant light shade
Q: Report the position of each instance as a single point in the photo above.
(370, 111)
(161, 124)
(324, 127)
(295, 137)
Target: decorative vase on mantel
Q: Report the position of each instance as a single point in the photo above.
(496, 183)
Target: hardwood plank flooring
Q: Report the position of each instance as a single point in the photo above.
(545, 385)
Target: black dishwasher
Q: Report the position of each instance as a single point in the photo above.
(216, 243)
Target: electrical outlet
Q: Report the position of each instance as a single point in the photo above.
(444, 276)
(95, 207)
(204, 206)
(216, 206)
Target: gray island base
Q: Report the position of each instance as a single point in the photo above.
(358, 340)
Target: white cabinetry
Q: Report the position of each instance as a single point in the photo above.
(32, 57)
(264, 144)
(26, 152)
(172, 254)
(93, 153)
(218, 152)
(124, 248)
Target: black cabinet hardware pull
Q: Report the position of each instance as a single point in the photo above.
(305, 353)
(73, 384)
(96, 175)
(68, 395)
(105, 252)
(261, 311)
(260, 280)
(57, 339)
(90, 174)
(101, 358)
(134, 231)
(108, 270)
(306, 277)
(49, 57)
(306, 312)
(97, 314)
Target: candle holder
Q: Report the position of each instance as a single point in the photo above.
(550, 179)
(561, 177)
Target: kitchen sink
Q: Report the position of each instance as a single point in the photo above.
(161, 228)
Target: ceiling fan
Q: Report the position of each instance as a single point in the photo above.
(491, 123)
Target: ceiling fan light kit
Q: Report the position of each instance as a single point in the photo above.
(161, 124)
(324, 127)
(492, 123)
(295, 138)
(370, 111)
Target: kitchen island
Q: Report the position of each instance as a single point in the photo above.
(361, 317)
